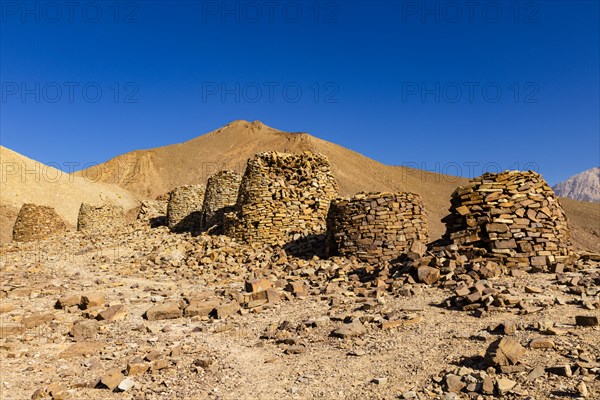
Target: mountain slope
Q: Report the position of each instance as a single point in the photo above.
(23, 180)
(156, 171)
(584, 186)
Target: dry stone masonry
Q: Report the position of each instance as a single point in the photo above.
(513, 217)
(36, 222)
(282, 198)
(184, 210)
(105, 218)
(153, 212)
(220, 198)
(377, 227)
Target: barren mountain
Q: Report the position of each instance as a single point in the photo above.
(23, 180)
(584, 186)
(155, 171)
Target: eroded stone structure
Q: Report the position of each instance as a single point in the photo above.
(513, 217)
(100, 219)
(153, 212)
(220, 198)
(184, 210)
(282, 198)
(35, 222)
(377, 227)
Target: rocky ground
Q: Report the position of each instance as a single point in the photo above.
(148, 314)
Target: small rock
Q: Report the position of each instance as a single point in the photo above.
(57, 391)
(506, 351)
(168, 310)
(200, 308)
(353, 329)
(379, 381)
(160, 364)
(6, 307)
(126, 384)
(92, 300)
(357, 353)
(504, 385)
(582, 389)
(40, 394)
(454, 383)
(258, 285)
(203, 362)
(68, 301)
(533, 289)
(586, 320)
(112, 313)
(137, 367)
(428, 275)
(112, 379)
(84, 329)
(36, 319)
(488, 385)
(541, 343)
(80, 349)
(225, 310)
(296, 288)
(295, 350)
(535, 373)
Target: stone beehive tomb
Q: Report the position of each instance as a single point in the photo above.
(512, 216)
(220, 198)
(282, 198)
(98, 219)
(184, 209)
(36, 223)
(376, 227)
(153, 212)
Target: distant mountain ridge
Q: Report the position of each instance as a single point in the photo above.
(584, 186)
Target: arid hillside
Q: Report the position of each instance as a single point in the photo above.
(23, 180)
(156, 171)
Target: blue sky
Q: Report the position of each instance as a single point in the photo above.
(444, 85)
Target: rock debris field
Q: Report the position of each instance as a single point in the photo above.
(143, 311)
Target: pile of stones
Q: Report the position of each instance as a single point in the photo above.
(184, 209)
(220, 198)
(513, 218)
(283, 198)
(376, 227)
(36, 222)
(153, 212)
(100, 219)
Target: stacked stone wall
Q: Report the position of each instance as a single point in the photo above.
(377, 227)
(513, 217)
(220, 198)
(282, 198)
(35, 222)
(100, 219)
(184, 209)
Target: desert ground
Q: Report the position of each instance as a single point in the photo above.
(143, 312)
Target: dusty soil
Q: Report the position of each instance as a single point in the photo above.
(284, 349)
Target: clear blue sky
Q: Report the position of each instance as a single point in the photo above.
(503, 83)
